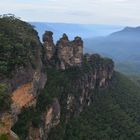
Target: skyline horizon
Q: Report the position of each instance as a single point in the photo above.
(138, 25)
(114, 12)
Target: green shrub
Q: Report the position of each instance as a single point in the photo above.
(3, 137)
(5, 99)
(18, 40)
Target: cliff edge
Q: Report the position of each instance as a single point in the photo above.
(30, 106)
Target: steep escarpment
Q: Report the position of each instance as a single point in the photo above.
(66, 94)
(69, 90)
(32, 108)
(21, 69)
(114, 114)
(83, 98)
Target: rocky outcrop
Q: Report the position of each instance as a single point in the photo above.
(98, 77)
(92, 72)
(50, 119)
(49, 47)
(23, 96)
(65, 53)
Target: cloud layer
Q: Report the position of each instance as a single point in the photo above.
(122, 12)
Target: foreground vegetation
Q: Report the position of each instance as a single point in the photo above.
(18, 40)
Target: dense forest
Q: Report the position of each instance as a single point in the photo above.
(113, 115)
(17, 44)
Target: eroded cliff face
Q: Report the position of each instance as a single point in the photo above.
(83, 74)
(89, 72)
(50, 119)
(25, 80)
(78, 93)
(22, 96)
(98, 77)
(65, 53)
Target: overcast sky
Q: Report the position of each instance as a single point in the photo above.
(118, 12)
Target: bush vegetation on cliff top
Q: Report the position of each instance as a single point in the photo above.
(17, 43)
(5, 100)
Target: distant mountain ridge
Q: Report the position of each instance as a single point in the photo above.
(72, 30)
(123, 46)
(128, 30)
(128, 34)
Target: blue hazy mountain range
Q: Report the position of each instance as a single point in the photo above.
(122, 46)
(72, 30)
